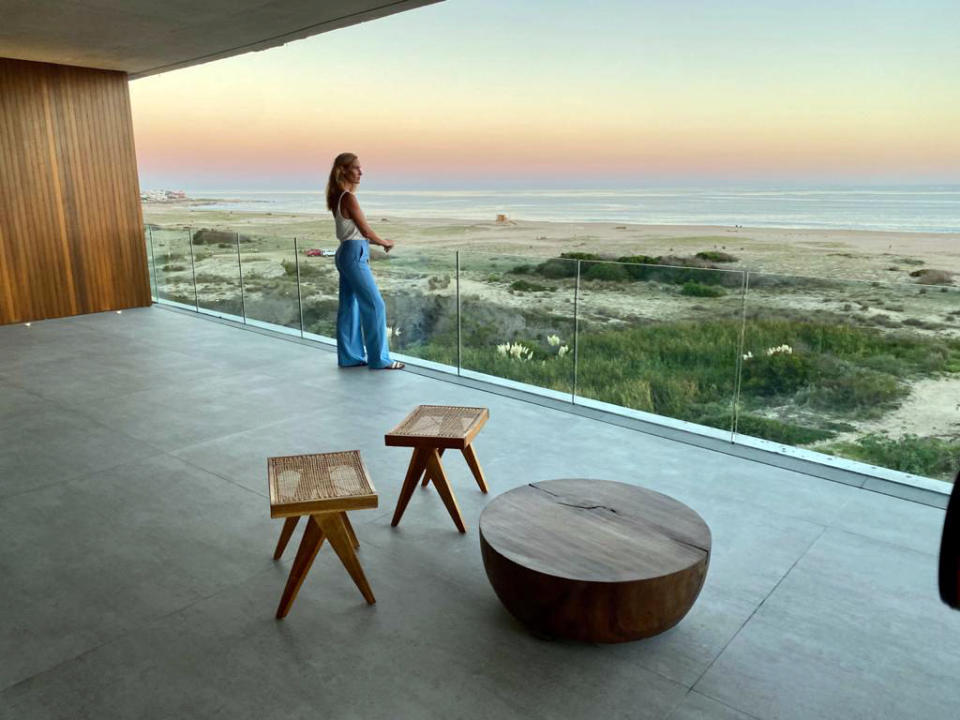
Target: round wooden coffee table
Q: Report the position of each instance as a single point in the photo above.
(594, 560)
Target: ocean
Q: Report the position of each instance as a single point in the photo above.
(932, 209)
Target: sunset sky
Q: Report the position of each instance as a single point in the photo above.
(615, 93)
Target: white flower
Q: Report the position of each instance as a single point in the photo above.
(554, 340)
(517, 351)
(520, 352)
(748, 355)
(393, 332)
(562, 351)
(780, 350)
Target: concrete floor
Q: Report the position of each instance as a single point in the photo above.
(137, 578)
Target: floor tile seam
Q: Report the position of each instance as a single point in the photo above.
(759, 605)
(218, 475)
(713, 699)
(230, 435)
(21, 493)
(887, 543)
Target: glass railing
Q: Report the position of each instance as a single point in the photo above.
(661, 338)
(420, 294)
(866, 371)
(516, 323)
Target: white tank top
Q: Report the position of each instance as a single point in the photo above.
(346, 229)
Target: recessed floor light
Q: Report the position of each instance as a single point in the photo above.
(27, 324)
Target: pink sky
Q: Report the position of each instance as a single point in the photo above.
(455, 93)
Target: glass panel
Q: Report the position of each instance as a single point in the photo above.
(419, 289)
(865, 370)
(517, 319)
(661, 338)
(319, 287)
(174, 276)
(217, 271)
(270, 281)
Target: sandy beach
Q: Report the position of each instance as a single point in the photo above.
(835, 254)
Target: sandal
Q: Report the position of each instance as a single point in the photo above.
(395, 365)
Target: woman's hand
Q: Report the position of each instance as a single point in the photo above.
(386, 243)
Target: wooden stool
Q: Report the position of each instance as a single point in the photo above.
(322, 487)
(429, 430)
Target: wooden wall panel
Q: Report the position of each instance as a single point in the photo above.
(71, 228)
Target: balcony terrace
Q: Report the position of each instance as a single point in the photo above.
(138, 579)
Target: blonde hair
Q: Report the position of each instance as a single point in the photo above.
(336, 185)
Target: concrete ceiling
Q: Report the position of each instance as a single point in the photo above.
(144, 37)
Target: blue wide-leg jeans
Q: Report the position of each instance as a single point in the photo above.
(361, 315)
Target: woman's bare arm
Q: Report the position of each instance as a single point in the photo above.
(350, 209)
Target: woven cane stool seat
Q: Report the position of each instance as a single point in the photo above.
(306, 484)
(439, 426)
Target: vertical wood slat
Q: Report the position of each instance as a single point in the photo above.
(71, 226)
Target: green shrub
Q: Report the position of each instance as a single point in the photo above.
(607, 271)
(777, 374)
(522, 269)
(928, 456)
(307, 270)
(696, 289)
(883, 320)
(438, 282)
(221, 238)
(929, 276)
(526, 286)
(858, 390)
(580, 256)
(768, 429)
(638, 267)
(638, 259)
(556, 268)
(716, 256)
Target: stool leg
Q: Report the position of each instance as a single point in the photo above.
(471, 458)
(442, 485)
(288, 526)
(312, 540)
(426, 475)
(409, 483)
(350, 532)
(335, 530)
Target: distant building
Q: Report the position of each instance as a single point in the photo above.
(162, 195)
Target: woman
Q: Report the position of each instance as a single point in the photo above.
(361, 316)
